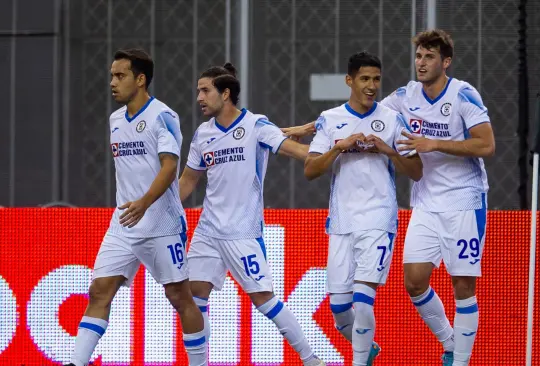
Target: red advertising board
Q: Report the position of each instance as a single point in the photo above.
(46, 256)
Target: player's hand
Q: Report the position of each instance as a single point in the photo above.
(134, 212)
(352, 142)
(297, 132)
(379, 146)
(419, 143)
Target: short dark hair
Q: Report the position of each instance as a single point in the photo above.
(141, 62)
(362, 59)
(224, 77)
(435, 39)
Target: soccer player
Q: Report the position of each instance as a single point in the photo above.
(233, 148)
(354, 141)
(452, 133)
(148, 226)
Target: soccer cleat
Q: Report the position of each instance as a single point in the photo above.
(447, 358)
(375, 349)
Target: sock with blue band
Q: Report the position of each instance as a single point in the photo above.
(364, 323)
(90, 332)
(288, 326)
(343, 313)
(465, 329)
(203, 307)
(431, 309)
(196, 348)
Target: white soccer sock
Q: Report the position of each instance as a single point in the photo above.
(90, 332)
(465, 328)
(364, 323)
(202, 303)
(196, 347)
(341, 307)
(431, 309)
(288, 326)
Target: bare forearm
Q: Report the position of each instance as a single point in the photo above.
(163, 180)
(475, 147)
(298, 152)
(318, 165)
(186, 187)
(412, 167)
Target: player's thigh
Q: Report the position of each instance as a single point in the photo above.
(340, 267)
(205, 261)
(246, 260)
(116, 258)
(463, 241)
(422, 243)
(164, 257)
(373, 252)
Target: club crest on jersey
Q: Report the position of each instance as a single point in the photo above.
(114, 148)
(239, 133)
(141, 126)
(209, 158)
(377, 125)
(416, 125)
(446, 109)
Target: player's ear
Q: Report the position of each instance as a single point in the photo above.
(141, 80)
(226, 94)
(348, 80)
(446, 62)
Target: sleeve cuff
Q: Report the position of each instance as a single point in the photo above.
(476, 123)
(317, 150)
(195, 166)
(279, 145)
(175, 153)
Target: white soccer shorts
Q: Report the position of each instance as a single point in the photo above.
(457, 237)
(358, 256)
(210, 259)
(164, 257)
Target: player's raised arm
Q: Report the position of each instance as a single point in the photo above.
(480, 144)
(297, 132)
(410, 166)
(317, 162)
(271, 137)
(405, 162)
(479, 140)
(294, 149)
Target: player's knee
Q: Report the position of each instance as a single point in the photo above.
(261, 298)
(102, 292)
(464, 287)
(178, 295)
(417, 278)
(201, 289)
(416, 286)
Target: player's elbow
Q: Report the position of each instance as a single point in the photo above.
(310, 173)
(490, 150)
(416, 176)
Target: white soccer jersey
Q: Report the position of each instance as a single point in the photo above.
(449, 183)
(235, 159)
(136, 144)
(362, 191)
